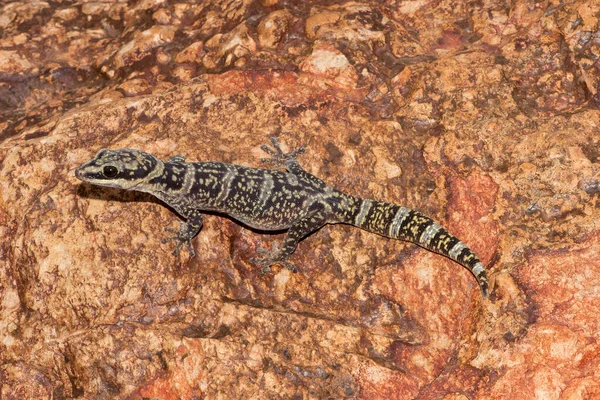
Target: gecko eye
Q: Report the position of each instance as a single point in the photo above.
(110, 171)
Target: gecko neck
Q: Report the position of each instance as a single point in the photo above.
(156, 182)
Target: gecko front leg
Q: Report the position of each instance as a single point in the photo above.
(185, 234)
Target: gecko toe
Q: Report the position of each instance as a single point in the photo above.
(177, 250)
(300, 150)
(263, 252)
(265, 270)
(289, 266)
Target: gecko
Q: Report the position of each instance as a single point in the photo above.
(283, 198)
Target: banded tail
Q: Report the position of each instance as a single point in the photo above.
(399, 222)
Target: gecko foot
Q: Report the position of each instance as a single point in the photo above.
(271, 258)
(182, 237)
(278, 157)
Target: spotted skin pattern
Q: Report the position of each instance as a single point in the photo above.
(268, 200)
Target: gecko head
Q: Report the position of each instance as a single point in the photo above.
(122, 168)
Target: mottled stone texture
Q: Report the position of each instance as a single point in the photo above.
(482, 114)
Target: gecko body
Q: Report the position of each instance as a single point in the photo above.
(269, 200)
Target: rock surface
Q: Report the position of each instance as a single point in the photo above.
(481, 115)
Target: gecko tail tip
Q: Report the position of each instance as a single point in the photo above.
(484, 290)
(481, 276)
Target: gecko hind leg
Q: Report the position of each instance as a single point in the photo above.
(267, 260)
(280, 254)
(278, 157)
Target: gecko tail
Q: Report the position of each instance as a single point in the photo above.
(400, 222)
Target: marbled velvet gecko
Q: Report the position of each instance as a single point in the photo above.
(268, 200)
